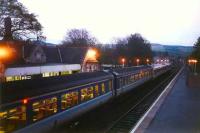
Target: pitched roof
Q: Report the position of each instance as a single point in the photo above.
(73, 55)
(52, 54)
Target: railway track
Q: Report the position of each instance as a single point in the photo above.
(110, 117)
(125, 123)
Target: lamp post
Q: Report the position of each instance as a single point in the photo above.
(193, 62)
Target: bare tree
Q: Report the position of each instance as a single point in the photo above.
(79, 37)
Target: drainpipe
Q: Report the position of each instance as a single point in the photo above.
(60, 55)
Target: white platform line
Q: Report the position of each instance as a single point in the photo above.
(166, 88)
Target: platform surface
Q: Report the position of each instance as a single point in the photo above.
(180, 112)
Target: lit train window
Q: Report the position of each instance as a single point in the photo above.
(15, 78)
(75, 71)
(44, 108)
(96, 90)
(12, 119)
(69, 99)
(121, 82)
(103, 88)
(132, 78)
(10, 78)
(87, 94)
(50, 74)
(65, 72)
(136, 76)
(142, 74)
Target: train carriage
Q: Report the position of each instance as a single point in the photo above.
(129, 78)
(38, 104)
(33, 103)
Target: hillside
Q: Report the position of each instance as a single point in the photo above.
(172, 49)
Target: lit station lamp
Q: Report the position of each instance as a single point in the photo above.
(123, 61)
(138, 61)
(91, 54)
(147, 60)
(4, 53)
(193, 61)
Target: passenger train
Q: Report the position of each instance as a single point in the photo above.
(39, 104)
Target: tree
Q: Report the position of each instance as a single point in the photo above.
(132, 47)
(79, 37)
(22, 24)
(196, 53)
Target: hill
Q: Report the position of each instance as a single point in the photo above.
(174, 50)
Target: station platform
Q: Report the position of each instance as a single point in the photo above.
(177, 110)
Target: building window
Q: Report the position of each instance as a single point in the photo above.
(87, 94)
(44, 108)
(69, 100)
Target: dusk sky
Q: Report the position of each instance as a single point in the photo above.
(173, 22)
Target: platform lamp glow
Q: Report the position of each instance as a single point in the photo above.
(138, 61)
(123, 61)
(4, 53)
(147, 60)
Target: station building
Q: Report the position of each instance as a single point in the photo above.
(27, 60)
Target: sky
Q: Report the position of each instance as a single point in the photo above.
(171, 22)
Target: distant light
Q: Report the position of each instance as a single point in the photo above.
(138, 60)
(147, 60)
(25, 101)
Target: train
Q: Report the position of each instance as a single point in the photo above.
(40, 104)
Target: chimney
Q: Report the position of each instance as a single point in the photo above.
(8, 26)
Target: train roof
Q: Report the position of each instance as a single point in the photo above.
(158, 66)
(128, 70)
(13, 91)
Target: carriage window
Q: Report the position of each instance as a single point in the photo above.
(121, 82)
(132, 78)
(140, 75)
(69, 99)
(44, 108)
(147, 73)
(136, 76)
(103, 88)
(87, 94)
(12, 119)
(96, 90)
